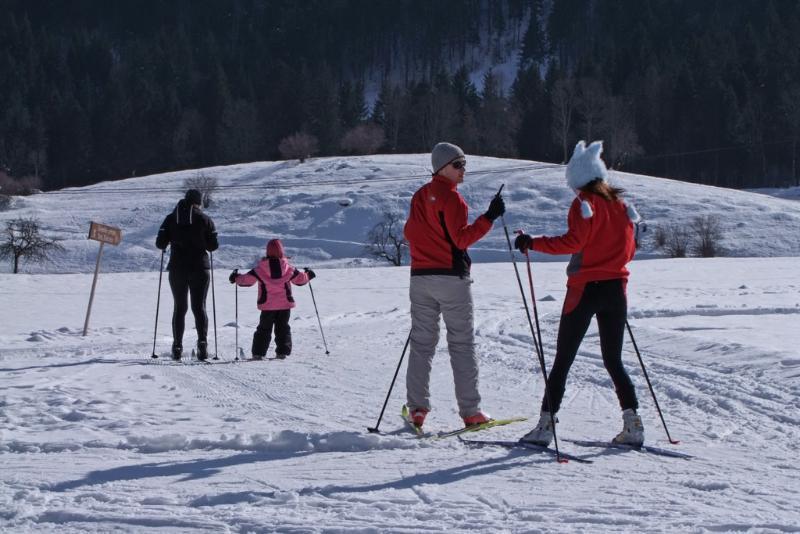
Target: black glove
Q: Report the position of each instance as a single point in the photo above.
(523, 243)
(310, 273)
(496, 208)
(232, 277)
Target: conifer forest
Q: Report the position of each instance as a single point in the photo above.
(95, 90)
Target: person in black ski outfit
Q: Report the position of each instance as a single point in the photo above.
(190, 233)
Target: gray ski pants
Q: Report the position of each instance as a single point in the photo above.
(450, 296)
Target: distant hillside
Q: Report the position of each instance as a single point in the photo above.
(324, 208)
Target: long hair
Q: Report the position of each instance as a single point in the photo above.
(600, 187)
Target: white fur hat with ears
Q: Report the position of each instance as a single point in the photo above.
(585, 165)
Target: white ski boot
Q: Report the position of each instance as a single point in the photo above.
(632, 429)
(542, 434)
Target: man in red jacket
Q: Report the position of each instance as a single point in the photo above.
(438, 234)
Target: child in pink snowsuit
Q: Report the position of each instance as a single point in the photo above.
(275, 276)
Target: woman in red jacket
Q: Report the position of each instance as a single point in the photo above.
(601, 240)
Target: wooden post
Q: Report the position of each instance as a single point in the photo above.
(94, 284)
(104, 234)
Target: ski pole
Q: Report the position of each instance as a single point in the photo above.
(539, 353)
(649, 385)
(533, 298)
(236, 300)
(391, 387)
(158, 304)
(318, 319)
(214, 307)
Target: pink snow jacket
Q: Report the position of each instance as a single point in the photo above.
(274, 277)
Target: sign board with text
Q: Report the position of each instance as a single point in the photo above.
(105, 233)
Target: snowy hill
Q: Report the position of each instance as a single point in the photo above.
(300, 203)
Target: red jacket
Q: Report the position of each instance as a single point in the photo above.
(601, 245)
(437, 230)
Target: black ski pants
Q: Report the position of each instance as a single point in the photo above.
(279, 319)
(185, 285)
(605, 299)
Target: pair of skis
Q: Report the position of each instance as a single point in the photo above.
(519, 444)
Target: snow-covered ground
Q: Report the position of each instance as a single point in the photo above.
(95, 436)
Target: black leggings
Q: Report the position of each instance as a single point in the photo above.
(605, 299)
(183, 285)
(283, 333)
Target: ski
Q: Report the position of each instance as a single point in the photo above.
(404, 413)
(476, 428)
(644, 448)
(522, 445)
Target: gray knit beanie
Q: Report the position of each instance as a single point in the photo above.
(444, 153)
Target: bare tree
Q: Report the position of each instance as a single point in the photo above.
(707, 235)
(363, 139)
(23, 240)
(205, 183)
(590, 104)
(790, 109)
(27, 185)
(563, 102)
(386, 240)
(623, 142)
(299, 146)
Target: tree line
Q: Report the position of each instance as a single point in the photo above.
(702, 91)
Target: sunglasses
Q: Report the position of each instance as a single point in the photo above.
(458, 164)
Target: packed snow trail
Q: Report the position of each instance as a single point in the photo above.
(97, 437)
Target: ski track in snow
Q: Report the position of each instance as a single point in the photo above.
(97, 436)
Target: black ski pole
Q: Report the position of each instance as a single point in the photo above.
(649, 385)
(391, 387)
(213, 307)
(539, 354)
(318, 319)
(236, 301)
(158, 304)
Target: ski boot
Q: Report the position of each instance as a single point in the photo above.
(202, 351)
(177, 352)
(632, 429)
(417, 417)
(542, 434)
(477, 418)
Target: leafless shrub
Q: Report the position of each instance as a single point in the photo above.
(21, 239)
(660, 237)
(363, 139)
(299, 146)
(678, 239)
(707, 234)
(205, 183)
(386, 240)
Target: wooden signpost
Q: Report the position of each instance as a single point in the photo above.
(104, 234)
